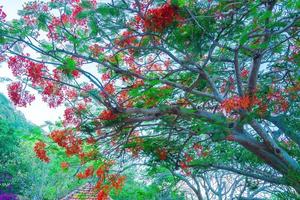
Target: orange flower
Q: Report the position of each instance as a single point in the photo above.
(64, 165)
(40, 151)
(107, 115)
(162, 154)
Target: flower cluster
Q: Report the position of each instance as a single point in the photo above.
(86, 174)
(280, 103)
(66, 139)
(96, 50)
(128, 39)
(107, 115)
(162, 154)
(102, 195)
(158, 19)
(64, 165)
(73, 115)
(244, 73)
(2, 14)
(22, 66)
(53, 94)
(40, 151)
(116, 181)
(32, 8)
(184, 167)
(236, 103)
(109, 88)
(18, 96)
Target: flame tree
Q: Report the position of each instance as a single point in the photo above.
(185, 84)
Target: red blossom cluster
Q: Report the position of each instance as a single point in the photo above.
(123, 99)
(188, 157)
(198, 148)
(102, 195)
(116, 181)
(162, 154)
(72, 94)
(96, 50)
(138, 147)
(72, 115)
(236, 103)
(105, 76)
(64, 165)
(107, 115)
(102, 170)
(66, 139)
(2, 14)
(32, 8)
(244, 73)
(40, 151)
(138, 83)
(128, 39)
(91, 140)
(280, 103)
(185, 168)
(86, 174)
(18, 96)
(53, 94)
(275, 99)
(109, 89)
(22, 66)
(58, 22)
(158, 19)
(87, 156)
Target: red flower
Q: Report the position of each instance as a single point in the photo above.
(96, 50)
(66, 139)
(91, 140)
(64, 18)
(162, 154)
(107, 115)
(109, 88)
(244, 73)
(40, 151)
(158, 19)
(18, 96)
(64, 165)
(75, 73)
(188, 157)
(105, 77)
(102, 195)
(52, 94)
(2, 14)
(236, 102)
(183, 165)
(36, 72)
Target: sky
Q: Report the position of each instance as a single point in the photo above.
(38, 112)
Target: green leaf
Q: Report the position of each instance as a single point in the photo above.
(2, 40)
(243, 39)
(42, 21)
(86, 4)
(69, 66)
(83, 14)
(94, 27)
(106, 11)
(179, 3)
(265, 15)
